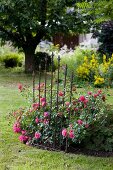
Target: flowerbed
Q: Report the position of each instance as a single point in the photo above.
(100, 73)
(86, 121)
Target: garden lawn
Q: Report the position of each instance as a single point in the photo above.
(17, 156)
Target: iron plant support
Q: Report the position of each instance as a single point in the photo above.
(33, 86)
(39, 83)
(71, 85)
(51, 80)
(65, 74)
(45, 77)
(57, 104)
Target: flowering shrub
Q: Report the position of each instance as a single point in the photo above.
(88, 68)
(43, 124)
(99, 73)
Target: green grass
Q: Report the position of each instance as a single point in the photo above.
(17, 156)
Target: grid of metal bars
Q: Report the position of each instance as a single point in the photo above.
(51, 90)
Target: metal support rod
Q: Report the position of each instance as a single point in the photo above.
(71, 86)
(45, 77)
(65, 74)
(57, 104)
(33, 86)
(51, 83)
(39, 82)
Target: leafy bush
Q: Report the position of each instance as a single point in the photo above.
(105, 39)
(12, 60)
(77, 122)
(74, 59)
(40, 58)
(99, 135)
(98, 73)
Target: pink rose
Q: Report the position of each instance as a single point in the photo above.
(41, 120)
(64, 132)
(68, 109)
(23, 132)
(43, 99)
(31, 110)
(37, 135)
(86, 126)
(46, 114)
(35, 106)
(89, 93)
(23, 138)
(95, 95)
(37, 120)
(14, 113)
(80, 122)
(76, 109)
(99, 91)
(67, 103)
(46, 121)
(71, 134)
(85, 101)
(39, 86)
(60, 93)
(71, 126)
(44, 104)
(82, 98)
(20, 87)
(27, 143)
(16, 128)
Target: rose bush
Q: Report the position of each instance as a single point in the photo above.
(73, 121)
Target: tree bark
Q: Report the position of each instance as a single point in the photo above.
(29, 48)
(29, 60)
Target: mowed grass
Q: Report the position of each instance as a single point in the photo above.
(17, 156)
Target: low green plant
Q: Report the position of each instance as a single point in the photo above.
(12, 60)
(99, 135)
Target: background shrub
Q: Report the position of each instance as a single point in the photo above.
(99, 136)
(12, 60)
(39, 59)
(74, 59)
(105, 39)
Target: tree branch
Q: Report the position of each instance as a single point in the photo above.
(14, 37)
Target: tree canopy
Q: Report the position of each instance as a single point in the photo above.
(100, 15)
(101, 10)
(26, 22)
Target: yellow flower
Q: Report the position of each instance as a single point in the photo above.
(98, 80)
(85, 59)
(94, 63)
(83, 72)
(104, 58)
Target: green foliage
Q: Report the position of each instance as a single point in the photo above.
(105, 39)
(18, 156)
(40, 59)
(27, 22)
(99, 11)
(100, 73)
(86, 120)
(100, 135)
(12, 60)
(75, 59)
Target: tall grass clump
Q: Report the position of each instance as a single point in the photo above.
(73, 58)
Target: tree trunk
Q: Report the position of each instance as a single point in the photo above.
(29, 60)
